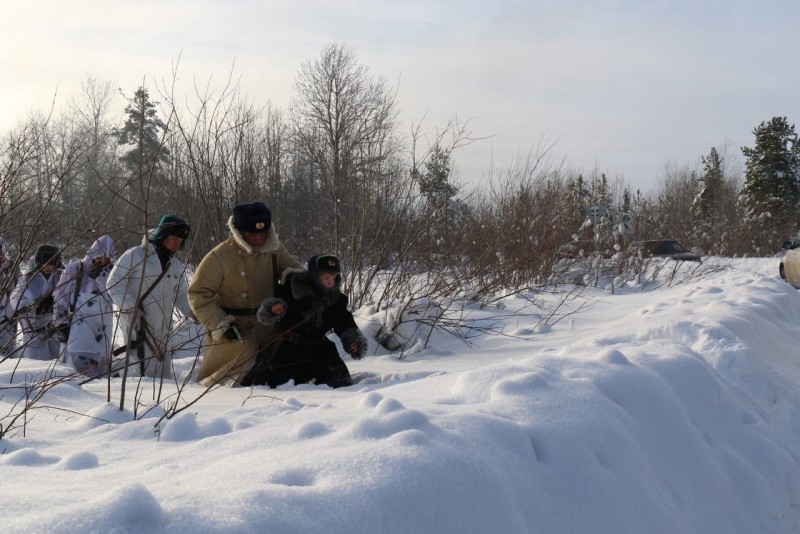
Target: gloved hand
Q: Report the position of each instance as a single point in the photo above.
(232, 333)
(135, 318)
(62, 332)
(354, 342)
(271, 311)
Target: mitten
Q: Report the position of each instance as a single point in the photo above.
(264, 313)
(354, 336)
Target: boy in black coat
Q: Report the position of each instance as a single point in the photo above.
(308, 306)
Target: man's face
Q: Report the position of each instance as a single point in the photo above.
(101, 262)
(255, 239)
(328, 280)
(172, 243)
(47, 269)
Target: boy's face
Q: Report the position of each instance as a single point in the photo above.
(328, 280)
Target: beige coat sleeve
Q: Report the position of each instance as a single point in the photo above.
(203, 295)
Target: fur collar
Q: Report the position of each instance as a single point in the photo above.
(270, 245)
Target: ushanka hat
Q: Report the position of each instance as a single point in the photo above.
(47, 254)
(253, 218)
(325, 264)
(170, 225)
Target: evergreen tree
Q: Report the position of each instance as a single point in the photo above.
(434, 183)
(626, 224)
(771, 176)
(577, 191)
(711, 182)
(599, 193)
(571, 212)
(142, 132)
(601, 213)
(706, 205)
(443, 212)
(145, 155)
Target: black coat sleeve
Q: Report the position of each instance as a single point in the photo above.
(341, 318)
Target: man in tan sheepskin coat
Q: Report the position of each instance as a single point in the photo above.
(227, 288)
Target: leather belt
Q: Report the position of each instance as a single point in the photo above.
(239, 311)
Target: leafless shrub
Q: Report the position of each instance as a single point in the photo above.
(418, 247)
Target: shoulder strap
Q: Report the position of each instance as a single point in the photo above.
(274, 275)
(152, 287)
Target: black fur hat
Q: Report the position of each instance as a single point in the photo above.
(325, 264)
(253, 218)
(47, 254)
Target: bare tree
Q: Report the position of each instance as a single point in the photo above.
(344, 140)
(93, 195)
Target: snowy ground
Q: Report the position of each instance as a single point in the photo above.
(658, 409)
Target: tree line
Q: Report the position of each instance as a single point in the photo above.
(343, 179)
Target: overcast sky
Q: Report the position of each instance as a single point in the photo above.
(622, 86)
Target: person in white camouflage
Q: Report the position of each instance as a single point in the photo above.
(8, 280)
(83, 309)
(32, 302)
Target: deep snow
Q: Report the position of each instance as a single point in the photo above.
(656, 409)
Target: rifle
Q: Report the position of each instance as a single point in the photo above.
(122, 348)
(71, 309)
(63, 330)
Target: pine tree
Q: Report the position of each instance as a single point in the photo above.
(445, 213)
(626, 226)
(571, 213)
(601, 213)
(771, 176)
(142, 132)
(434, 183)
(145, 156)
(599, 194)
(577, 191)
(705, 208)
(711, 180)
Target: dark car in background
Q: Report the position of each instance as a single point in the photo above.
(790, 263)
(662, 248)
